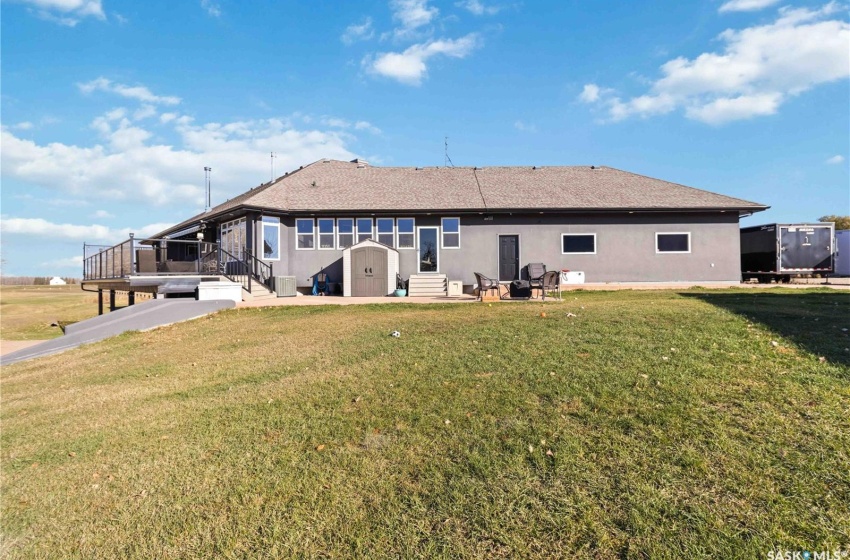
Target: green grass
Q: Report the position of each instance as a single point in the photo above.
(651, 425)
(27, 312)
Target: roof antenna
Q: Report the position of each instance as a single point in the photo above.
(273, 156)
(207, 173)
(448, 160)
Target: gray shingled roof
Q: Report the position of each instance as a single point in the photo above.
(339, 186)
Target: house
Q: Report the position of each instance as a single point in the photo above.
(446, 223)
(452, 221)
(56, 281)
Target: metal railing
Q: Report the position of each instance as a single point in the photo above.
(169, 257)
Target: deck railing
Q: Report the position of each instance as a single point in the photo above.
(170, 257)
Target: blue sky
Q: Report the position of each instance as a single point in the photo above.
(111, 109)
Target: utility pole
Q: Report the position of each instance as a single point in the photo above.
(207, 173)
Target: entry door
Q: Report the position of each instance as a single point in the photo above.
(508, 258)
(429, 251)
(369, 272)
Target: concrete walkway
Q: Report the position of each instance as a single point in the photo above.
(140, 317)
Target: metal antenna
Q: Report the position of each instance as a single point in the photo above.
(272, 158)
(207, 173)
(448, 160)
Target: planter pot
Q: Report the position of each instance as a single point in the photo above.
(400, 293)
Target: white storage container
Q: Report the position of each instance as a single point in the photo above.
(455, 288)
(572, 277)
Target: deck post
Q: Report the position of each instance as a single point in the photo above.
(132, 255)
(131, 298)
(111, 300)
(99, 301)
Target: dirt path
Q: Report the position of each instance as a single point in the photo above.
(7, 346)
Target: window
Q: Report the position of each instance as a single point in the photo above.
(326, 233)
(578, 243)
(677, 242)
(364, 229)
(271, 238)
(345, 233)
(451, 233)
(406, 236)
(428, 253)
(233, 238)
(305, 235)
(386, 231)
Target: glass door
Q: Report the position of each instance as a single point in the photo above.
(429, 252)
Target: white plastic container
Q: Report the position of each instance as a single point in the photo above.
(572, 277)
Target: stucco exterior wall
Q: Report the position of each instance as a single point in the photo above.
(625, 247)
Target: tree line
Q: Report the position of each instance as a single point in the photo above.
(32, 280)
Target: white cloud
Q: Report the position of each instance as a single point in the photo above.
(74, 232)
(25, 125)
(140, 93)
(211, 7)
(525, 127)
(367, 126)
(68, 262)
(102, 214)
(835, 160)
(358, 32)
(758, 70)
(66, 12)
(477, 8)
(127, 166)
(409, 67)
(144, 112)
(746, 5)
(411, 15)
(590, 93)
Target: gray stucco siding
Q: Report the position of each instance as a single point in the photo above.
(625, 247)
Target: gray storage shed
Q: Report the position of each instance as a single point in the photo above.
(369, 269)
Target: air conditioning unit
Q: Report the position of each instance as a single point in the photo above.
(284, 286)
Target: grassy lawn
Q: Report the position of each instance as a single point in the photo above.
(704, 423)
(26, 312)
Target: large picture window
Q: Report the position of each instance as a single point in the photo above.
(673, 242)
(451, 233)
(386, 231)
(578, 244)
(406, 233)
(326, 233)
(271, 238)
(344, 233)
(305, 238)
(364, 229)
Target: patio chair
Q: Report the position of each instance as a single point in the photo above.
(485, 285)
(321, 284)
(551, 282)
(535, 275)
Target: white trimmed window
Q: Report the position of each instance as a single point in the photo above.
(326, 233)
(673, 242)
(386, 231)
(364, 229)
(344, 233)
(406, 233)
(578, 244)
(306, 236)
(271, 238)
(451, 233)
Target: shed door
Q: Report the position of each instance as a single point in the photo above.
(369, 272)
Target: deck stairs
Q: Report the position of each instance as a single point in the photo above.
(427, 285)
(258, 292)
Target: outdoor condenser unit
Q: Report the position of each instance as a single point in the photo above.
(284, 286)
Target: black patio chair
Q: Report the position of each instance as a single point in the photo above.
(485, 285)
(551, 282)
(535, 275)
